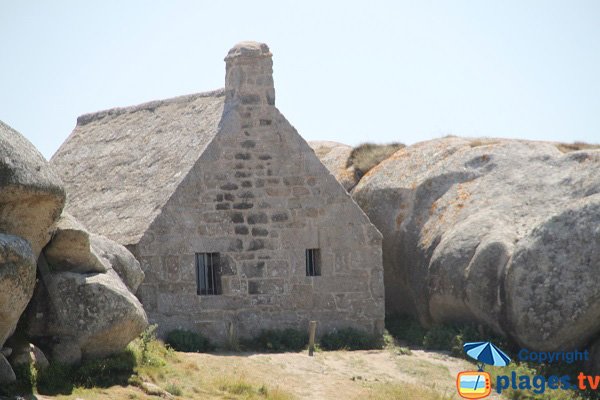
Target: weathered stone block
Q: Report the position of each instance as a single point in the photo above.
(237, 217)
(246, 195)
(293, 180)
(256, 244)
(280, 216)
(258, 218)
(242, 206)
(259, 232)
(242, 174)
(300, 191)
(253, 269)
(277, 191)
(229, 186)
(243, 156)
(241, 230)
(266, 286)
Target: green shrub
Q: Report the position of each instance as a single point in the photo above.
(276, 341)
(105, 372)
(56, 379)
(25, 383)
(189, 342)
(349, 339)
(440, 338)
(174, 389)
(368, 155)
(405, 329)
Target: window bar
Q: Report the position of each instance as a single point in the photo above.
(212, 273)
(205, 272)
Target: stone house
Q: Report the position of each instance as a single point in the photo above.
(235, 221)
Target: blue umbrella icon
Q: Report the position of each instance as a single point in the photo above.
(486, 353)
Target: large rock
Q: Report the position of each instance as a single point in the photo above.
(31, 194)
(335, 156)
(74, 249)
(94, 312)
(17, 281)
(552, 279)
(7, 375)
(85, 304)
(500, 232)
(69, 249)
(29, 354)
(118, 258)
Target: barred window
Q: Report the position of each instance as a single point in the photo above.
(313, 262)
(208, 273)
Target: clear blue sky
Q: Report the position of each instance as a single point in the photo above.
(346, 71)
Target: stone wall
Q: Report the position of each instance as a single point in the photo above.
(260, 197)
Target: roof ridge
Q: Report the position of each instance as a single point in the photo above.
(150, 105)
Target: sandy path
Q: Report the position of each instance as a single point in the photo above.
(341, 374)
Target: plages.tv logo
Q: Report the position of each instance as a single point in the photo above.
(477, 384)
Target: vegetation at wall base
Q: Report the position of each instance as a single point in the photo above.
(277, 341)
(189, 342)
(350, 339)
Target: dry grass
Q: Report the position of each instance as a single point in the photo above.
(483, 142)
(368, 155)
(575, 146)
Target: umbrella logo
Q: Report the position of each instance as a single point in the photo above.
(477, 384)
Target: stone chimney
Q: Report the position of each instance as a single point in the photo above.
(249, 74)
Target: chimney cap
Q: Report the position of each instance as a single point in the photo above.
(248, 49)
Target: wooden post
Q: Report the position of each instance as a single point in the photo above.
(312, 330)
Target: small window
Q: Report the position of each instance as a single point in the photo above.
(313, 262)
(208, 273)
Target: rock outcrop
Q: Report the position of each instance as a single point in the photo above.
(116, 257)
(31, 199)
(85, 306)
(502, 232)
(17, 280)
(31, 194)
(335, 157)
(83, 302)
(70, 248)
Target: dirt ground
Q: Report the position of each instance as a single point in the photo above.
(327, 375)
(344, 374)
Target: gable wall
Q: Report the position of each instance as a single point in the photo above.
(260, 197)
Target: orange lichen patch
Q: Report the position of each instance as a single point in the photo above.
(401, 153)
(373, 170)
(433, 208)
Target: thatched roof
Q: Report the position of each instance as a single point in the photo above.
(120, 166)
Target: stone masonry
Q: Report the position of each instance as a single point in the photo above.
(260, 197)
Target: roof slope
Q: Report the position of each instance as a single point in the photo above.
(120, 166)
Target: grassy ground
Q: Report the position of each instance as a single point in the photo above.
(413, 363)
(374, 374)
(388, 373)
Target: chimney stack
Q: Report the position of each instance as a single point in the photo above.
(249, 74)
